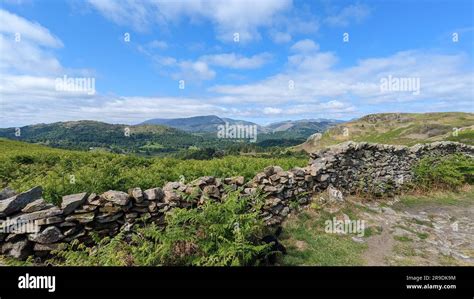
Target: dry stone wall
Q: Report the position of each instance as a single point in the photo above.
(31, 226)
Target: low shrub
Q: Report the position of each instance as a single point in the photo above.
(449, 172)
(227, 233)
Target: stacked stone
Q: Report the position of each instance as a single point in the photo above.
(29, 225)
(280, 189)
(374, 168)
(32, 225)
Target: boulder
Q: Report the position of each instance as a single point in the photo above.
(71, 202)
(15, 203)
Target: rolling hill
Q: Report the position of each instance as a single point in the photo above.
(90, 135)
(397, 128)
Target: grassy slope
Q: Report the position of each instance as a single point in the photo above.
(24, 165)
(308, 245)
(85, 134)
(399, 128)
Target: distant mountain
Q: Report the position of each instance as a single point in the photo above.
(209, 124)
(303, 125)
(397, 128)
(199, 124)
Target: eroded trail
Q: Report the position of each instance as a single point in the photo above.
(427, 234)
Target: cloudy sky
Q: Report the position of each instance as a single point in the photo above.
(262, 61)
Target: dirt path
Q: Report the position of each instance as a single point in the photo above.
(426, 235)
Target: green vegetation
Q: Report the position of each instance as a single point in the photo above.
(308, 244)
(62, 172)
(461, 197)
(449, 172)
(465, 136)
(403, 238)
(215, 234)
(399, 129)
(153, 140)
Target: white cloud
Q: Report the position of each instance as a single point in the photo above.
(25, 46)
(194, 70)
(317, 79)
(158, 44)
(200, 69)
(354, 12)
(229, 16)
(271, 110)
(280, 37)
(305, 46)
(235, 61)
(32, 32)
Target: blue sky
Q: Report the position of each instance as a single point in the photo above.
(290, 61)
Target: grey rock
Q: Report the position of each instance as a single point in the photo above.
(29, 217)
(95, 200)
(105, 218)
(71, 202)
(85, 209)
(136, 194)
(37, 205)
(48, 247)
(285, 211)
(239, 180)
(81, 218)
(16, 203)
(7, 193)
(154, 194)
(20, 249)
(51, 234)
(49, 220)
(110, 209)
(171, 196)
(211, 191)
(117, 197)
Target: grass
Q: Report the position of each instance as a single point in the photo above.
(61, 172)
(372, 230)
(466, 136)
(406, 129)
(402, 238)
(308, 245)
(462, 197)
(420, 235)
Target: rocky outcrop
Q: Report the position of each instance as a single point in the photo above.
(29, 225)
